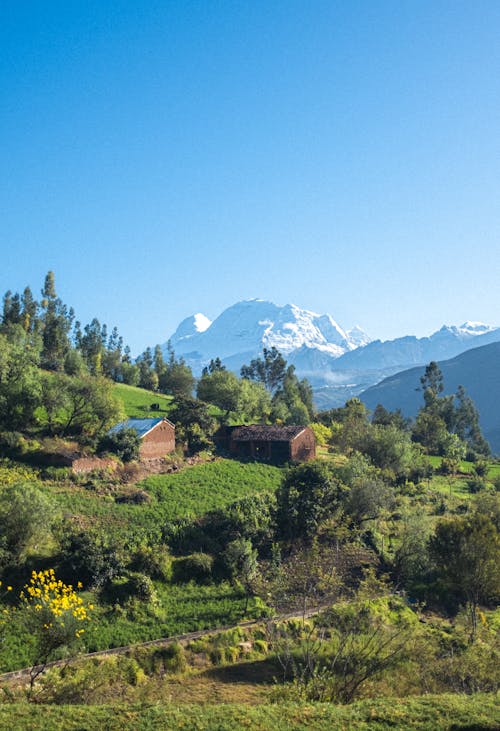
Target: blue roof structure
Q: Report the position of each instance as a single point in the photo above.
(141, 426)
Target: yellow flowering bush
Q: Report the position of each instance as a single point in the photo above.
(56, 602)
(55, 615)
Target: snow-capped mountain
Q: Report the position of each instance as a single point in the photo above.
(244, 329)
(339, 363)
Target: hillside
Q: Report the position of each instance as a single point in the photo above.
(137, 402)
(477, 370)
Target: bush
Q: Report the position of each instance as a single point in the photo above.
(142, 587)
(125, 443)
(158, 660)
(134, 497)
(196, 567)
(261, 646)
(475, 485)
(155, 561)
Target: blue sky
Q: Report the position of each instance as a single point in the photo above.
(165, 158)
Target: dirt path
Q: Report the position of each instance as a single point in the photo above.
(162, 641)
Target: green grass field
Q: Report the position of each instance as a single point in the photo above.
(137, 401)
(191, 492)
(423, 713)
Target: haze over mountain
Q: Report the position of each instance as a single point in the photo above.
(478, 370)
(339, 363)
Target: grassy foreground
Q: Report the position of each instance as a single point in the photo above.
(424, 713)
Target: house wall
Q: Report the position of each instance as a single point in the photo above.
(303, 447)
(158, 442)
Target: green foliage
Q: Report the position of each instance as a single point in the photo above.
(196, 567)
(194, 424)
(153, 560)
(306, 497)
(466, 553)
(174, 376)
(20, 381)
(26, 517)
(444, 427)
(270, 370)
(125, 443)
(93, 557)
(322, 433)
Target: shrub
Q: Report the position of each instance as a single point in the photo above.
(134, 497)
(261, 646)
(142, 587)
(155, 561)
(125, 443)
(196, 567)
(159, 660)
(475, 485)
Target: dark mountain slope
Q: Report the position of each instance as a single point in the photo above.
(478, 370)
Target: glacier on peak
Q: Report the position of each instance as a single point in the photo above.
(339, 363)
(250, 325)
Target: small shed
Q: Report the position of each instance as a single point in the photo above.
(271, 443)
(157, 436)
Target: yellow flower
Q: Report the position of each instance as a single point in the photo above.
(9, 588)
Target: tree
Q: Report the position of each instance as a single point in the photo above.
(193, 423)
(240, 559)
(350, 425)
(466, 554)
(26, 517)
(91, 556)
(430, 431)
(307, 496)
(383, 417)
(177, 378)
(367, 499)
(20, 380)
(467, 423)
(269, 370)
(221, 388)
(92, 406)
(214, 366)
(453, 452)
(56, 321)
(254, 403)
(389, 448)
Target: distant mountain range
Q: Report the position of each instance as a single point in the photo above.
(478, 370)
(339, 363)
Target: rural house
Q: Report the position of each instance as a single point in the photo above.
(157, 436)
(272, 443)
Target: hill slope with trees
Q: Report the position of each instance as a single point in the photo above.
(477, 371)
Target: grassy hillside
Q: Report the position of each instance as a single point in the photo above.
(96, 505)
(427, 713)
(137, 401)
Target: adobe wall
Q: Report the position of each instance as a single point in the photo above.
(88, 464)
(158, 442)
(303, 447)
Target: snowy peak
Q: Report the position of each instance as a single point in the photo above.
(475, 328)
(358, 337)
(248, 326)
(191, 326)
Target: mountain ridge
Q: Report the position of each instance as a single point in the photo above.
(340, 363)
